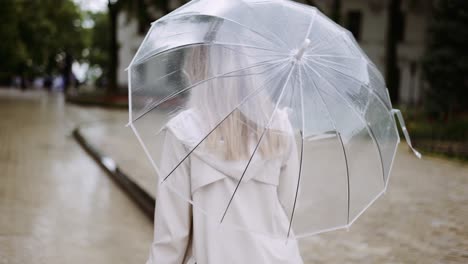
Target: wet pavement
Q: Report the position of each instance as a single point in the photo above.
(57, 206)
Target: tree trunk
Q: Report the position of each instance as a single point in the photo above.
(67, 72)
(336, 11)
(391, 69)
(112, 87)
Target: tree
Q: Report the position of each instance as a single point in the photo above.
(135, 9)
(393, 31)
(113, 10)
(12, 50)
(445, 64)
(336, 11)
(310, 2)
(68, 35)
(99, 43)
(37, 33)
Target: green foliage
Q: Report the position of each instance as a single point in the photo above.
(36, 33)
(446, 60)
(12, 50)
(456, 130)
(424, 127)
(99, 41)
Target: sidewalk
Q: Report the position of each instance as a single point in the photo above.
(116, 142)
(421, 219)
(56, 205)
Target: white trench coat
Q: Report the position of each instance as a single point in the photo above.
(184, 235)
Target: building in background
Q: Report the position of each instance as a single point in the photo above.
(368, 20)
(130, 34)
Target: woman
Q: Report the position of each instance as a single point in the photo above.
(192, 198)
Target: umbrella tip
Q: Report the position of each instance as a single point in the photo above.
(302, 50)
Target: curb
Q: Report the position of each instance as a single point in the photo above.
(137, 194)
(93, 102)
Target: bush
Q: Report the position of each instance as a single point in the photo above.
(422, 126)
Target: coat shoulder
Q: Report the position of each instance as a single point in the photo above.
(186, 126)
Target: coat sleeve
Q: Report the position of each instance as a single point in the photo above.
(289, 174)
(173, 215)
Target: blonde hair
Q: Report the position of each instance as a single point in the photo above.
(216, 98)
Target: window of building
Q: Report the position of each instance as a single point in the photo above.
(354, 23)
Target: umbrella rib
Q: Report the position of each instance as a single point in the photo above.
(302, 153)
(338, 134)
(324, 104)
(260, 139)
(226, 46)
(380, 155)
(198, 144)
(169, 97)
(331, 56)
(230, 20)
(244, 26)
(251, 46)
(149, 55)
(319, 43)
(347, 175)
(309, 28)
(298, 182)
(255, 31)
(140, 47)
(209, 133)
(371, 132)
(369, 129)
(272, 32)
(158, 79)
(352, 77)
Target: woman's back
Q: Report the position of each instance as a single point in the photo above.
(254, 228)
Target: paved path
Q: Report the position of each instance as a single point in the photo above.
(421, 219)
(56, 206)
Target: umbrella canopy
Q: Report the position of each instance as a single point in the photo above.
(244, 83)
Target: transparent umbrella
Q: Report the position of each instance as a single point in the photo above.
(243, 83)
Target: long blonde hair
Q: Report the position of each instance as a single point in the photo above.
(216, 98)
